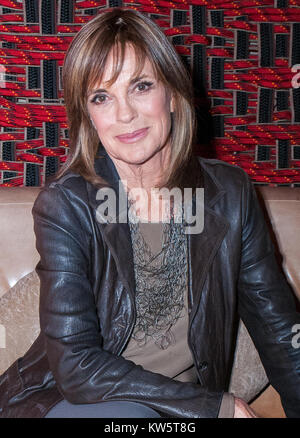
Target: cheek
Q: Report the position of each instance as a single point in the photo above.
(101, 123)
(157, 108)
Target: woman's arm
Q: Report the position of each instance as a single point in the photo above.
(84, 372)
(267, 306)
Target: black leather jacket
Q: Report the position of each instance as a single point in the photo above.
(87, 309)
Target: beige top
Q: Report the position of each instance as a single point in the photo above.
(176, 361)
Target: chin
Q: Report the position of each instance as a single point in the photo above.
(138, 157)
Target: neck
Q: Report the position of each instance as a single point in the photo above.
(145, 175)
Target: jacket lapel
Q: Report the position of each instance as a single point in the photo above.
(116, 235)
(202, 247)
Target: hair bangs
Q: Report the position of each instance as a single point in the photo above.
(118, 50)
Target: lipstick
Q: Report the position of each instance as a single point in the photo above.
(134, 136)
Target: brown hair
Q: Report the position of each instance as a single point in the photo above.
(84, 66)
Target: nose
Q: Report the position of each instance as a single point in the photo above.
(125, 111)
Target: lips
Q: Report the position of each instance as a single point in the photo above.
(132, 137)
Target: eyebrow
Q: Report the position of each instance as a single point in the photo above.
(132, 82)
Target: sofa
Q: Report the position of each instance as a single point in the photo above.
(19, 286)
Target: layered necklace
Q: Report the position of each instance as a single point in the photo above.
(161, 282)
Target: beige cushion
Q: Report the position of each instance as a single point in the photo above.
(19, 319)
(248, 377)
(283, 208)
(18, 255)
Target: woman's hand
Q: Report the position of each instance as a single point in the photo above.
(242, 409)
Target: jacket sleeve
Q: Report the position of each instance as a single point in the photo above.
(267, 306)
(83, 370)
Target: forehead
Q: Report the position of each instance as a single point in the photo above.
(124, 67)
(131, 65)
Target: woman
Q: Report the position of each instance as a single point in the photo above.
(138, 315)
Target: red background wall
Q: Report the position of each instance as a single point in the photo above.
(241, 54)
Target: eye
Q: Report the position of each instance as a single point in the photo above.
(144, 86)
(99, 99)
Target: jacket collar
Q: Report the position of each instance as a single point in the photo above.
(105, 167)
(116, 235)
(202, 247)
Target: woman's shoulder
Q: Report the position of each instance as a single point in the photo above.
(223, 172)
(68, 180)
(70, 188)
(70, 183)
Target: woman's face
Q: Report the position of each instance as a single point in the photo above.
(132, 116)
